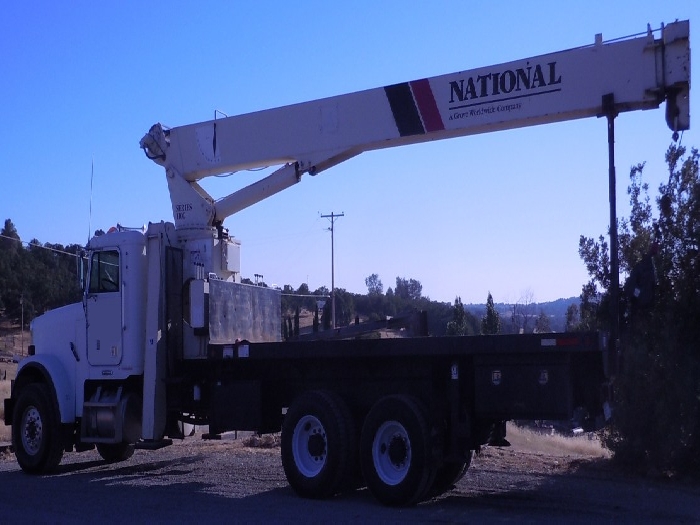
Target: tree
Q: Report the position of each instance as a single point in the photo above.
(458, 325)
(415, 290)
(11, 260)
(288, 301)
(408, 289)
(322, 291)
(36, 278)
(542, 324)
(491, 322)
(305, 300)
(522, 312)
(344, 309)
(656, 421)
(9, 238)
(375, 305)
(573, 318)
(374, 285)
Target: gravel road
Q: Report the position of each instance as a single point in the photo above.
(224, 481)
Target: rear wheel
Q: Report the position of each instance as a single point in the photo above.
(318, 445)
(448, 475)
(115, 452)
(36, 433)
(395, 451)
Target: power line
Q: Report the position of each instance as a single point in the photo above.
(36, 245)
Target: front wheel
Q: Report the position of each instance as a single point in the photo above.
(395, 451)
(36, 433)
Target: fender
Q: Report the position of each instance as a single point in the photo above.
(50, 370)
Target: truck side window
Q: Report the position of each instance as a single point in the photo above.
(104, 272)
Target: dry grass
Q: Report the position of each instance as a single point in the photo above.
(264, 441)
(586, 445)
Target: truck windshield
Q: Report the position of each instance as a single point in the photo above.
(104, 272)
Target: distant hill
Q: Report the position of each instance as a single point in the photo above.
(555, 310)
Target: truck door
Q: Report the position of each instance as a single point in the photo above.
(104, 309)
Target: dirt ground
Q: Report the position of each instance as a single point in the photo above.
(536, 480)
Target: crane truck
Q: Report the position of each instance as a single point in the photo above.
(166, 332)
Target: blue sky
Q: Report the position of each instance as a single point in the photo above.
(502, 212)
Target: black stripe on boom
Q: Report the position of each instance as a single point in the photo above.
(404, 109)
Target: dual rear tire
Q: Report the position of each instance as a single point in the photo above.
(321, 455)
(396, 451)
(318, 445)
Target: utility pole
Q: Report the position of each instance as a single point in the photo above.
(332, 217)
(609, 110)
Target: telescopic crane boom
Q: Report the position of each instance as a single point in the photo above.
(640, 73)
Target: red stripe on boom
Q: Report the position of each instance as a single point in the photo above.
(427, 106)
